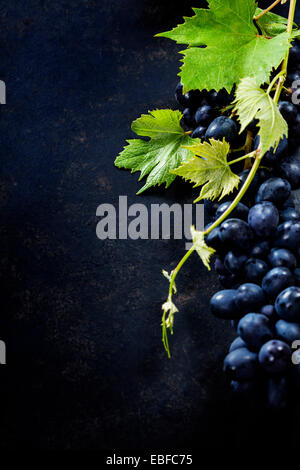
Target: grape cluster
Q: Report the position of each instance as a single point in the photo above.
(258, 247)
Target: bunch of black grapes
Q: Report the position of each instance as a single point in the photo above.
(258, 247)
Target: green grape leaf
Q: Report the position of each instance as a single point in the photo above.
(254, 103)
(271, 24)
(209, 168)
(203, 250)
(224, 46)
(162, 153)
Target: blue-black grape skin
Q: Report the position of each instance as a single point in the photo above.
(204, 115)
(296, 275)
(180, 98)
(222, 304)
(275, 356)
(276, 190)
(282, 257)
(277, 392)
(189, 118)
(289, 168)
(261, 250)
(199, 132)
(288, 111)
(287, 331)
(236, 234)
(263, 218)
(255, 330)
(241, 388)
(237, 343)
(276, 280)
(229, 281)
(287, 235)
(249, 298)
(240, 211)
(289, 213)
(222, 127)
(234, 262)
(241, 364)
(220, 267)
(269, 311)
(288, 304)
(254, 270)
(213, 240)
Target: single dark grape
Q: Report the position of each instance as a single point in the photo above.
(271, 158)
(261, 250)
(288, 304)
(255, 330)
(240, 364)
(239, 212)
(189, 118)
(222, 304)
(219, 267)
(236, 234)
(287, 235)
(254, 270)
(287, 331)
(276, 280)
(289, 214)
(275, 356)
(269, 311)
(290, 170)
(199, 132)
(282, 257)
(249, 298)
(237, 343)
(234, 262)
(213, 239)
(263, 218)
(204, 115)
(222, 127)
(288, 111)
(276, 190)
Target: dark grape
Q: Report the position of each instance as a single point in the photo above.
(277, 280)
(234, 262)
(254, 270)
(255, 330)
(276, 190)
(290, 170)
(199, 132)
(222, 304)
(179, 96)
(213, 239)
(288, 304)
(272, 158)
(222, 127)
(261, 250)
(287, 235)
(289, 214)
(204, 115)
(294, 56)
(240, 364)
(275, 356)
(287, 331)
(249, 298)
(193, 99)
(189, 118)
(219, 267)
(240, 211)
(282, 257)
(229, 281)
(297, 276)
(269, 311)
(237, 343)
(288, 111)
(242, 388)
(236, 234)
(263, 218)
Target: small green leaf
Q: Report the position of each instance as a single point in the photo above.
(209, 168)
(270, 23)
(224, 46)
(162, 153)
(203, 250)
(254, 103)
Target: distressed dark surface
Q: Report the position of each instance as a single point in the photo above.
(81, 317)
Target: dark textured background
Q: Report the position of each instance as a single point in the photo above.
(81, 317)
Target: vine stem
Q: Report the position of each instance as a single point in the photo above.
(289, 30)
(266, 10)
